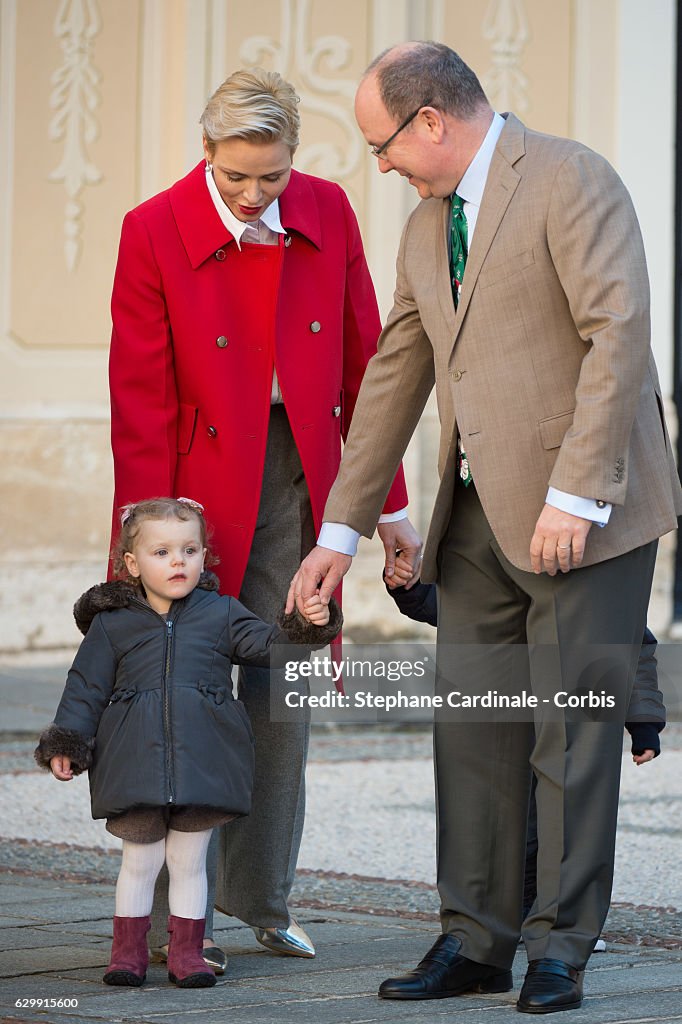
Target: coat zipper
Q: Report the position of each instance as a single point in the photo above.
(167, 732)
(166, 711)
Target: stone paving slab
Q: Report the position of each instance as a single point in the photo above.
(356, 951)
(15, 939)
(339, 986)
(324, 891)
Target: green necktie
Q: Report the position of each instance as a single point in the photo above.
(459, 249)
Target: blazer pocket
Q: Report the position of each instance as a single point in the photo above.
(553, 429)
(187, 420)
(495, 273)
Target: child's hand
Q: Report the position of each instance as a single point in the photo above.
(61, 768)
(401, 573)
(315, 611)
(648, 755)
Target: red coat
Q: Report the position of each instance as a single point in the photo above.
(190, 368)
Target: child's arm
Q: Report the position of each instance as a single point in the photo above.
(420, 602)
(254, 642)
(89, 685)
(646, 714)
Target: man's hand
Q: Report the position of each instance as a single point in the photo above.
(322, 570)
(401, 537)
(558, 542)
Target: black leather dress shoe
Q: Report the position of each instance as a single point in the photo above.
(445, 972)
(551, 985)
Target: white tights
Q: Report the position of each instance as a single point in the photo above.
(185, 856)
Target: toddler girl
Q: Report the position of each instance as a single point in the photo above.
(148, 710)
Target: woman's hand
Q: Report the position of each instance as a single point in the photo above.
(61, 768)
(315, 611)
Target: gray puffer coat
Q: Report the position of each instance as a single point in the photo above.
(148, 708)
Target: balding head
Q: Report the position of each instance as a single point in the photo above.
(415, 73)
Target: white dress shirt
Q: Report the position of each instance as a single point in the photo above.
(264, 230)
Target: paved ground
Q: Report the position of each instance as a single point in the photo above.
(364, 892)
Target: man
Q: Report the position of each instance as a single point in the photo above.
(522, 293)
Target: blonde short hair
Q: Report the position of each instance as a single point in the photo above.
(256, 105)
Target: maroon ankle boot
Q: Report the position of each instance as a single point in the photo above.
(129, 954)
(186, 966)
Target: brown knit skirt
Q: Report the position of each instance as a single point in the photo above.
(150, 824)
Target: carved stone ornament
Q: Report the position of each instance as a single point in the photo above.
(506, 26)
(74, 98)
(330, 97)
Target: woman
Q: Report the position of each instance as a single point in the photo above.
(244, 317)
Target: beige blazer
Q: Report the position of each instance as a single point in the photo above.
(545, 369)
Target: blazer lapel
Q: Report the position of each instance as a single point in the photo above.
(201, 229)
(443, 281)
(298, 208)
(500, 187)
(203, 232)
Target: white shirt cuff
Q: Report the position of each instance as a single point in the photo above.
(587, 508)
(393, 517)
(339, 537)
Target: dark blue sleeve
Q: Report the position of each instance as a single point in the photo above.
(420, 603)
(646, 713)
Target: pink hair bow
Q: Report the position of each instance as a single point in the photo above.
(127, 510)
(196, 505)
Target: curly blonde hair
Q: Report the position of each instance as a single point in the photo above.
(138, 512)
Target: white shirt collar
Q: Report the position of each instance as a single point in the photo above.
(236, 227)
(473, 181)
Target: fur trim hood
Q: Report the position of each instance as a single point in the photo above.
(104, 597)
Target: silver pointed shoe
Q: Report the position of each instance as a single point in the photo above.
(213, 957)
(292, 941)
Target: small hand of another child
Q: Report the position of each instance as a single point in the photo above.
(315, 611)
(648, 755)
(61, 768)
(401, 573)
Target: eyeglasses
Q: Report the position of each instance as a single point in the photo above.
(378, 150)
